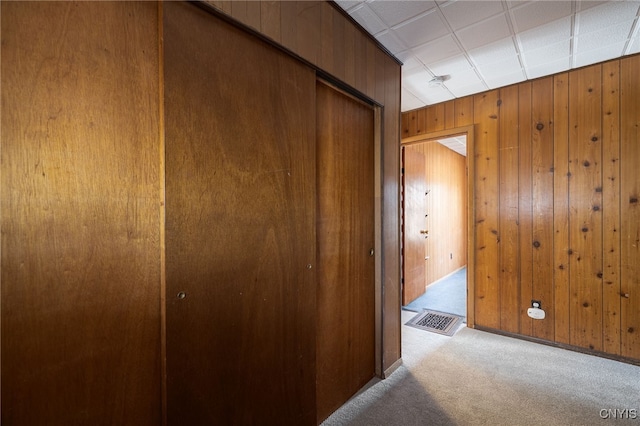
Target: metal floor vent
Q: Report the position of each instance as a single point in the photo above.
(436, 322)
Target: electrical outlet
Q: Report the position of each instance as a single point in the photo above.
(536, 304)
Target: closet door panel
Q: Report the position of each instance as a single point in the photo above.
(346, 265)
(80, 262)
(240, 231)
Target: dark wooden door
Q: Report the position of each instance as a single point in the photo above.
(240, 226)
(80, 258)
(414, 208)
(346, 267)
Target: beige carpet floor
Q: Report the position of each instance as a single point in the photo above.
(479, 378)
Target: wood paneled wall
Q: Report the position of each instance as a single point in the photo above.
(80, 213)
(322, 35)
(82, 203)
(446, 206)
(557, 216)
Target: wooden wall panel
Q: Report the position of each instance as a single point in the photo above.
(487, 163)
(542, 201)
(611, 207)
(508, 215)
(630, 206)
(445, 177)
(578, 190)
(240, 226)
(561, 176)
(391, 214)
(585, 212)
(80, 213)
(525, 206)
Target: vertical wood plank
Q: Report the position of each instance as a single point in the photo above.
(630, 205)
(585, 206)
(464, 109)
(309, 35)
(270, 19)
(289, 25)
(435, 118)
(508, 221)
(611, 207)
(449, 115)
(487, 274)
(80, 265)
(542, 187)
(339, 49)
(525, 206)
(561, 207)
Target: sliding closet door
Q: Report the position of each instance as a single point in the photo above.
(240, 232)
(346, 265)
(80, 264)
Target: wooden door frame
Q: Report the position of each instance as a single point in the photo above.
(468, 131)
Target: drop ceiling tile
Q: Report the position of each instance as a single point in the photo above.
(613, 34)
(545, 35)
(533, 14)
(606, 15)
(395, 12)
(494, 52)
(435, 95)
(409, 101)
(549, 53)
(369, 20)
(461, 82)
(485, 32)
(463, 13)
(599, 55)
(416, 80)
(509, 65)
(548, 68)
(421, 30)
(495, 81)
(470, 89)
(411, 64)
(391, 41)
(437, 50)
(450, 66)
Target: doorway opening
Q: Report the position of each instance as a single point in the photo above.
(437, 210)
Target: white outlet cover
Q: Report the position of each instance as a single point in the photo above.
(536, 313)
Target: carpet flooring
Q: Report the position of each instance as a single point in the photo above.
(480, 378)
(446, 295)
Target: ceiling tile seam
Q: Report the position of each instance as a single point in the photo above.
(575, 27)
(635, 32)
(408, 20)
(454, 36)
(507, 13)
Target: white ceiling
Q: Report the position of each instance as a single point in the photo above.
(481, 45)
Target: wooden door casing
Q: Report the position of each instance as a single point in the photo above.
(240, 233)
(345, 238)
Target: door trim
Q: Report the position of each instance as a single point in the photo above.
(469, 132)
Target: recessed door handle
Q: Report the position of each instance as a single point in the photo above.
(424, 232)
